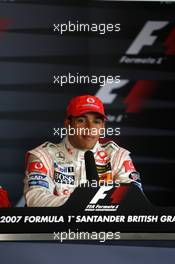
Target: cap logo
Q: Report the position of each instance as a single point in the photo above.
(90, 100)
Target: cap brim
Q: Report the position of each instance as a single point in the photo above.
(90, 111)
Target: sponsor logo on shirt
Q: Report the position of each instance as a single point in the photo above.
(128, 165)
(38, 183)
(63, 169)
(102, 154)
(102, 157)
(37, 167)
(36, 176)
(64, 179)
(103, 168)
(104, 172)
(60, 156)
(134, 176)
(106, 177)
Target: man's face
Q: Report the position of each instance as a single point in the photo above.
(87, 130)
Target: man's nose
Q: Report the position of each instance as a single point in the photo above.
(89, 124)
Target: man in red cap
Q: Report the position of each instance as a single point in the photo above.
(54, 170)
(4, 200)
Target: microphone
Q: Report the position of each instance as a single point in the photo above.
(91, 170)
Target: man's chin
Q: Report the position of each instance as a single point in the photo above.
(89, 139)
(89, 145)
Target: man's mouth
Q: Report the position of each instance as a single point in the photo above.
(88, 137)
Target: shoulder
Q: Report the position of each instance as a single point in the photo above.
(46, 146)
(44, 150)
(44, 153)
(112, 147)
(110, 144)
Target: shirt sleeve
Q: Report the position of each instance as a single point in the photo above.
(126, 172)
(4, 200)
(39, 187)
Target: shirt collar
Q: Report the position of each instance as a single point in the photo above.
(77, 153)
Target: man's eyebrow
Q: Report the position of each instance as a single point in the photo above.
(99, 117)
(96, 116)
(80, 116)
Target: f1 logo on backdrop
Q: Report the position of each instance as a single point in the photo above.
(134, 101)
(105, 93)
(142, 89)
(146, 37)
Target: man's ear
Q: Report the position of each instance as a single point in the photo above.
(66, 123)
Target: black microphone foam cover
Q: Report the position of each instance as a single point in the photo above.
(91, 170)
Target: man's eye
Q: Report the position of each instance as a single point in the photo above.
(98, 121)
(80, 120)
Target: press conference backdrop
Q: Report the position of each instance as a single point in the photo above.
(142, 104)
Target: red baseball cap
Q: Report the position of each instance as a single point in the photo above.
(83, 104)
